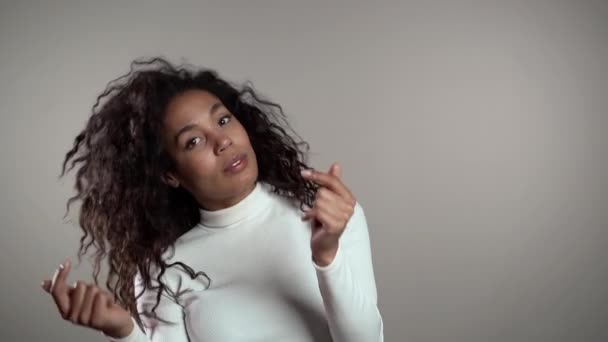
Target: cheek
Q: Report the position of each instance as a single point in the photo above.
(199, 165)
(238, 131)
(243, 137)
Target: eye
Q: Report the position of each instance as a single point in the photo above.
(190, 143)
(226, 117)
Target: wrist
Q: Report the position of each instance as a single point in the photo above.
(121, 332)
(325, 257)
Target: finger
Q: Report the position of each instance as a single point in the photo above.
(308, 214)
(99, 309)
(320, 216)
(333, 202)
(328, 228)
(46, 285)
(76, 299)
(331, 220)
(332, 198)
(87, 304)
(329, 181)
(59, 288)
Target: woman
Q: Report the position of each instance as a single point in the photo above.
(214, 227)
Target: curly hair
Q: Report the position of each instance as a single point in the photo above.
(127, 213)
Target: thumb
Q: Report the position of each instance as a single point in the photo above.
(335, 170)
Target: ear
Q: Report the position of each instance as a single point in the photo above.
(170, 179)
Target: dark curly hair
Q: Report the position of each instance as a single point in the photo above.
(127, 213)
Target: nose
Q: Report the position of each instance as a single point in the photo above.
(223, 141)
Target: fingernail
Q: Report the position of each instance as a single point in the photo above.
(64, 264)
(305, 172)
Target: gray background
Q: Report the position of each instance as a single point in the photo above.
(473, 134)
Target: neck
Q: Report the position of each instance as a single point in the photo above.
(213, 205)
(251, 203)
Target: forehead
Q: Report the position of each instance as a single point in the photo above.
(188, 105)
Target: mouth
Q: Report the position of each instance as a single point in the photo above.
(235, 161)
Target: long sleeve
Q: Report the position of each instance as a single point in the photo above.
(169, 325)
(348, 286)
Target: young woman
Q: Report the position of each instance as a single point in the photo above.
(213, 226)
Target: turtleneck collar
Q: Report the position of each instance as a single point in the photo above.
(258, 199)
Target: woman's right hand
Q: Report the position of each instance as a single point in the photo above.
(88, 305)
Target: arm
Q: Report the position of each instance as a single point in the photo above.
(169, 322)
(348, 286)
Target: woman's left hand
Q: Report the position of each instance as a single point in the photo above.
(332, 208)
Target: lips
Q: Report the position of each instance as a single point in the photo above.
(234, 159)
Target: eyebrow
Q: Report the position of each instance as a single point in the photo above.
(191, 126)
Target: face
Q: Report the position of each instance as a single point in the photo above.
(203, 137)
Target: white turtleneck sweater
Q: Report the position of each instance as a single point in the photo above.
(264, 284)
